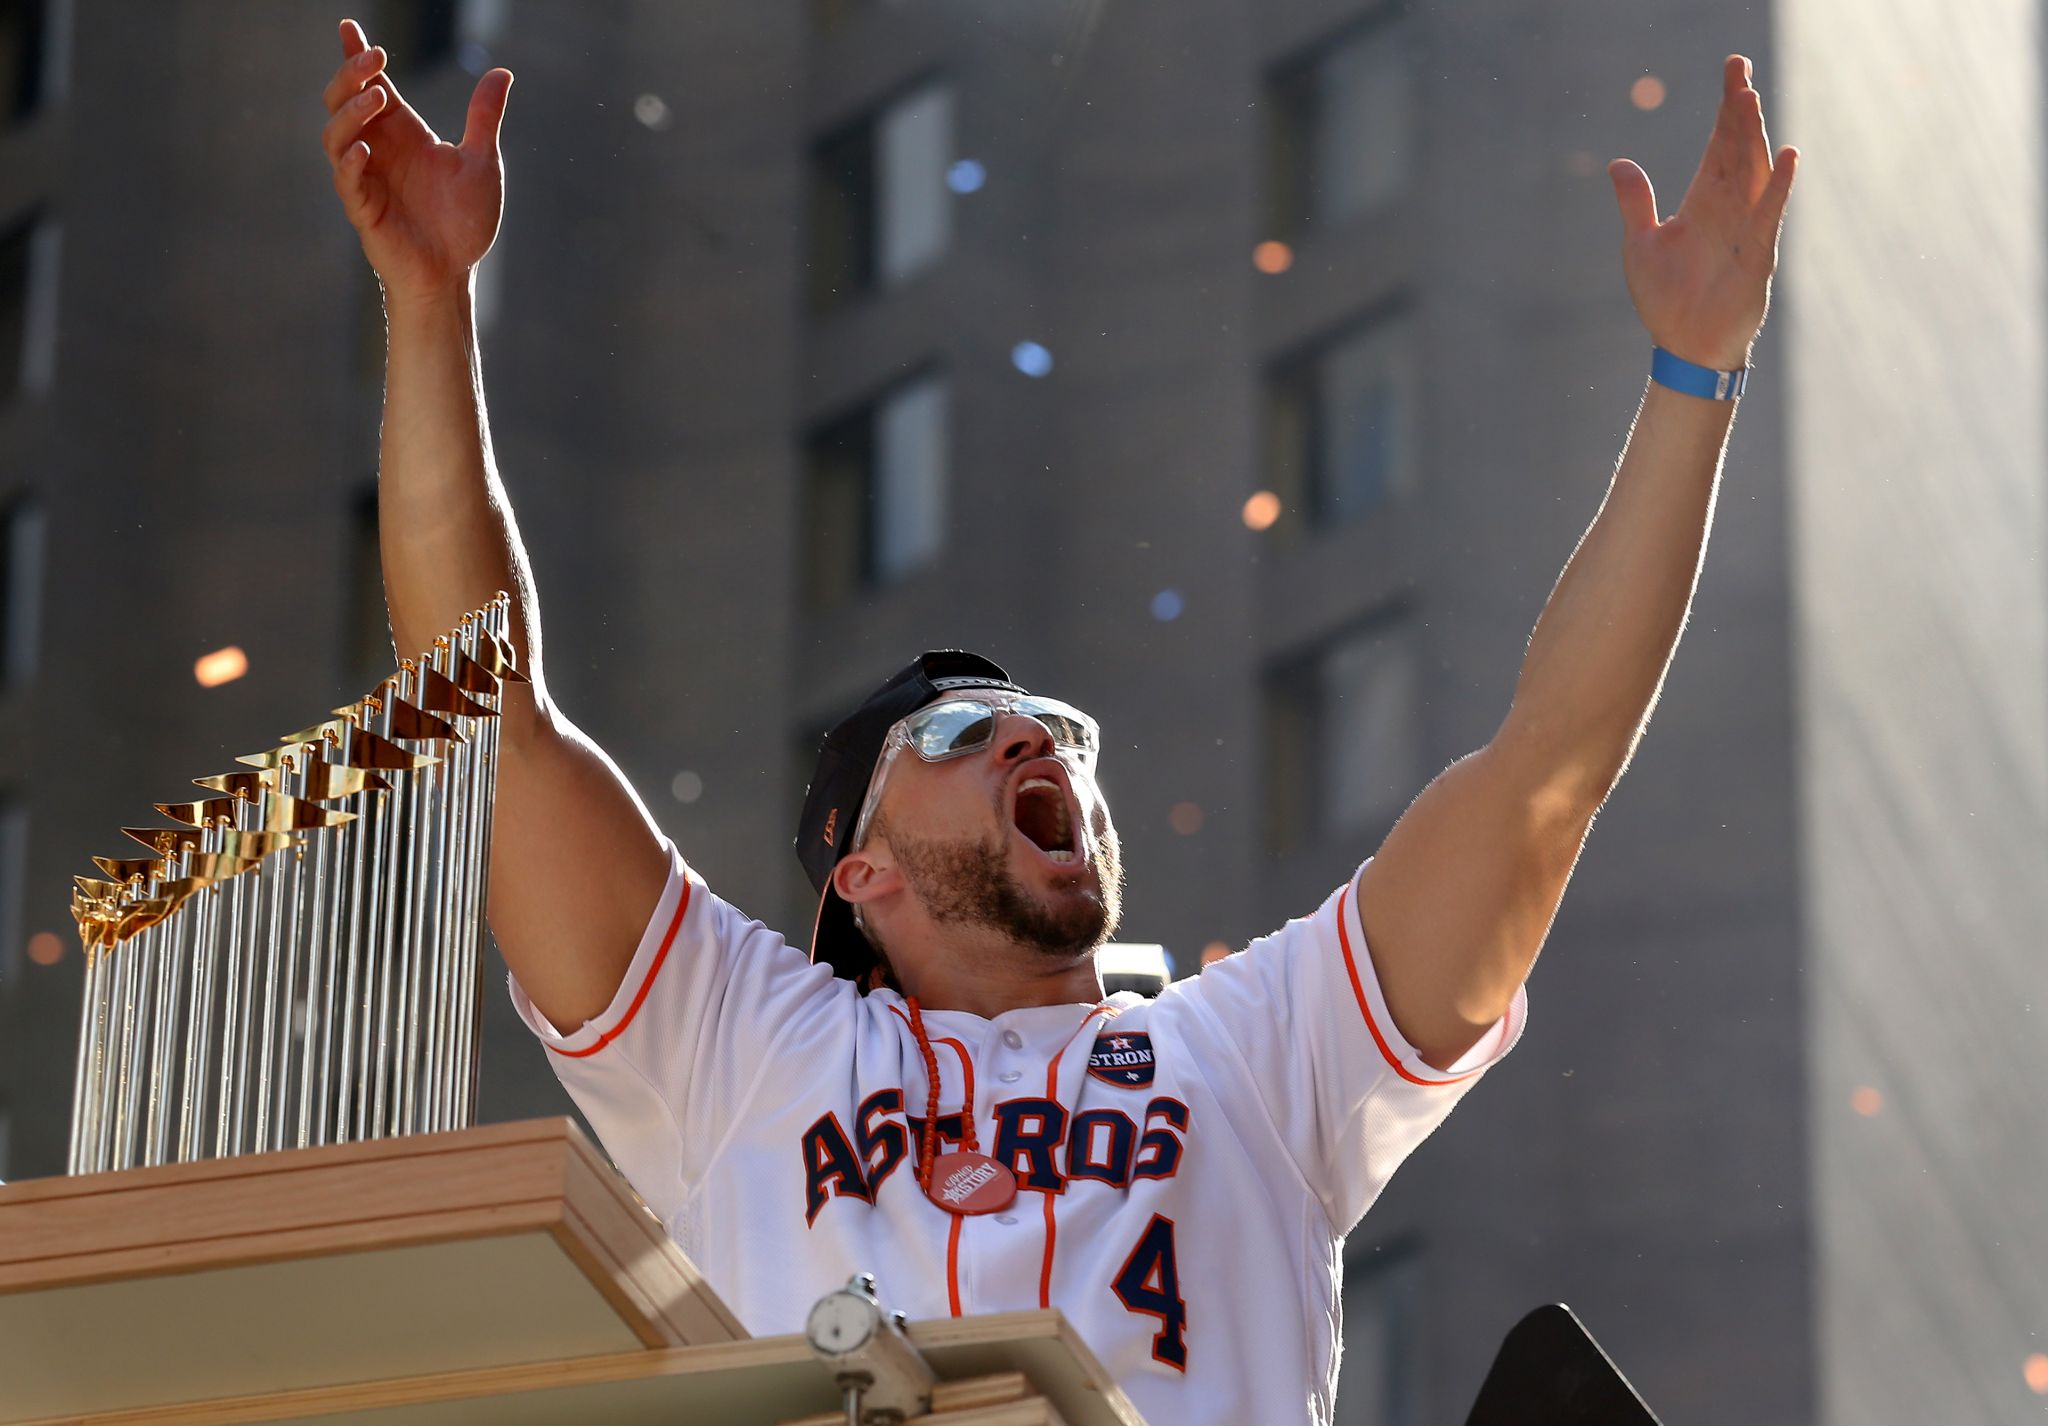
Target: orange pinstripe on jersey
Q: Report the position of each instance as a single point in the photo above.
(682, 905)
(1365, 1009)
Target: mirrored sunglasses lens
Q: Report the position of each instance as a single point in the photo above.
(949, 728)
(1067, 724)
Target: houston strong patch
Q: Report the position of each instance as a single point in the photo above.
(1122, 1058)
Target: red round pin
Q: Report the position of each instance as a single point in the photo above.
(969, 1183)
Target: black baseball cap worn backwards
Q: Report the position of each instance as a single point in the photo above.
(846, 765)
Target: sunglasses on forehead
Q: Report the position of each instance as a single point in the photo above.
(955, 727)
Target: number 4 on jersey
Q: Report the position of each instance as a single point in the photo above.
(1149, 1282)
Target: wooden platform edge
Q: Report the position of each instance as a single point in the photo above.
(631, 1247)
(219, 1213)
(483, 1382)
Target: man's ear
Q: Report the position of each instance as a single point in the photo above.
(864, 876)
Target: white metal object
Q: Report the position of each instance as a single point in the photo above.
(1130, 965)
(872, 1361)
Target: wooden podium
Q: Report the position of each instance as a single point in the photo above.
(504, 1274)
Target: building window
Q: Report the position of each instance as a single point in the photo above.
(1340, 422)
(416, 34)
(875, 492)
(1343, 735)
(1379, 1377)
(13, 883)
(24, 58)
(880, 209)
(21, 590)
(420, 34)
(368, 636)
(28, 305)
(1340, 131)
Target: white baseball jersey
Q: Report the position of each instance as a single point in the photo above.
(1188, 1166)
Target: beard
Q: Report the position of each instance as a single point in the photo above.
(968, 882)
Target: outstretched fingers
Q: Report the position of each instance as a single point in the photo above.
(360, 61)
(364, 64)
(1770, 209)
(1635, 194)
(486, 112)
(362, 193)
(344, 130)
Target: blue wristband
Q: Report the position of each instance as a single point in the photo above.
(1694, 379)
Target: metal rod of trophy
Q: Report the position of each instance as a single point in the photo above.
(164, 1028)
(301, 1013)
(425, 876)
(184, 851)
(492, 651)
(278, 989)
(256, 1073)
(188, 927)
(479, 678)
(470, 679)
(448, 999)
(469, 873)
(198, 1012)
(245, 931)
(230, 933)
(487, 670)
(347, 1094)
(325, 781)
(427, 868)
(88, 1022)
(149, 937)
(378, 946)
(135, 935)
(110, 1073)
(133, 952)
(389, 945)
(193, 851)
(318, 1085)
(443, 696)
(377, 807)
(280, 997)
(393, 947)
(93, 904)
(302, 1002)
(407, 721)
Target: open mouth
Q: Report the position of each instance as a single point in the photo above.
(1043, 817)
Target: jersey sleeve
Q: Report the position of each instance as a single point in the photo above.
(1349, 1097)
(665, 1070)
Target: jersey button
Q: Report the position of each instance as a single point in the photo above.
(1014, 1040)
(1006, 1218)
(1010, 1076)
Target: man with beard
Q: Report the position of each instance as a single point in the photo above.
(938, 1091)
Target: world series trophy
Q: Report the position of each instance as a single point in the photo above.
(298, 962)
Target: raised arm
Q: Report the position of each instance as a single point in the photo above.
(576, 861)
(1460, 898)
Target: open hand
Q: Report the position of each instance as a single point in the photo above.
(1701, 281)
(426, 211)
